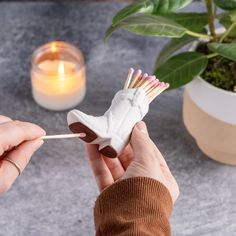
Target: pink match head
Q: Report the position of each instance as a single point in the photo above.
(149, 78)
(145, 76)
(82, 135)
(152, 78)
(167, 85)
(156, 80)
(154, 83)
(131, 70)
(138, 74)
(161, 84)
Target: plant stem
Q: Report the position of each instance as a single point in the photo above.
(203, 36)
(211, 18)
(212, 55)
(227, 31)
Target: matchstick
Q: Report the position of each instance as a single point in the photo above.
(156, 88)
(142, 80)
(148, 82)
(152, 85)
(152, 96)
(61, 136)
(135, 79)
(155, 95)
(128, 80)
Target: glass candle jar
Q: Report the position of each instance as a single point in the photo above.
(58, 76)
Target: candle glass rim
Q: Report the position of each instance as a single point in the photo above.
(79, 65)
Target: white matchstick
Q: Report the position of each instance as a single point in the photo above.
(129, 77)
(60, 136)
(135, 79)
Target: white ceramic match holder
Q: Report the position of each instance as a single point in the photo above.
(111, 132)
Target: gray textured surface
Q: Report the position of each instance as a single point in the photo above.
(56, 193)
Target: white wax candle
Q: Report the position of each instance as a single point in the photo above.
(59, 85)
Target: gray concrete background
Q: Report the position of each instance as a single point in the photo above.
(56, 193)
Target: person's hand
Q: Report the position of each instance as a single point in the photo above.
(18, 141)
(141, 158)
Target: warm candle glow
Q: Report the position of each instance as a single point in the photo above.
(59, 83)
(54, 48)
(61, 71)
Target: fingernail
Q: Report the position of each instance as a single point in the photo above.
(142, 127)
(37, 144)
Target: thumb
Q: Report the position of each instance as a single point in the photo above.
(140, 140)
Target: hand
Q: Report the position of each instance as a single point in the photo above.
(141, 158)
(18, 141)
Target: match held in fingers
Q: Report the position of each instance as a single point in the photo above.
(63, 136)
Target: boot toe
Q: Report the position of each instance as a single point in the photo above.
(78, 127)
(77, 122)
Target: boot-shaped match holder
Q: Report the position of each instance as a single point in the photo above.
(111, 132)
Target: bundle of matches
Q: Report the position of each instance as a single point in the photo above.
(151, 85)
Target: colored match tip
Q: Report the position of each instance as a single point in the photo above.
(138, 72)
(167, 85)
(154, 83)
(131, 70)
(143, 77)
(162, 85)
(82, 135)
(151, 78)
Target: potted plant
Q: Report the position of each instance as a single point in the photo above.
(208, 69)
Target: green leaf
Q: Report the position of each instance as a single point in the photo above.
(227, 19)
(227, 50)
(226, 4)
(171, 47)
(149, 25)
(138, 7)
(149, 6)
(190, 20)
(110, 30)
(165, 6)
(194, 21)
(182, 68)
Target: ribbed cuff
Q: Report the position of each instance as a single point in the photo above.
(131, 198)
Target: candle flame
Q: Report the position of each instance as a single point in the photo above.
(61, 71)
(54, 47)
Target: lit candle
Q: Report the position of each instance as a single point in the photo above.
(58, 76)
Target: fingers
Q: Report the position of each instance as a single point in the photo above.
(149, 162)
(100, 170)
(141, 143)
(4, 119)
(126, 157)
(160, 157)
(21, 156)
(15, 132)
(115, 167)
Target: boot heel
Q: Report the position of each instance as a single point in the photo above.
(112, 147)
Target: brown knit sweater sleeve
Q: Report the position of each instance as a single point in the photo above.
(136, 206)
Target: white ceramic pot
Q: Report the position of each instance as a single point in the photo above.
(209, 115)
